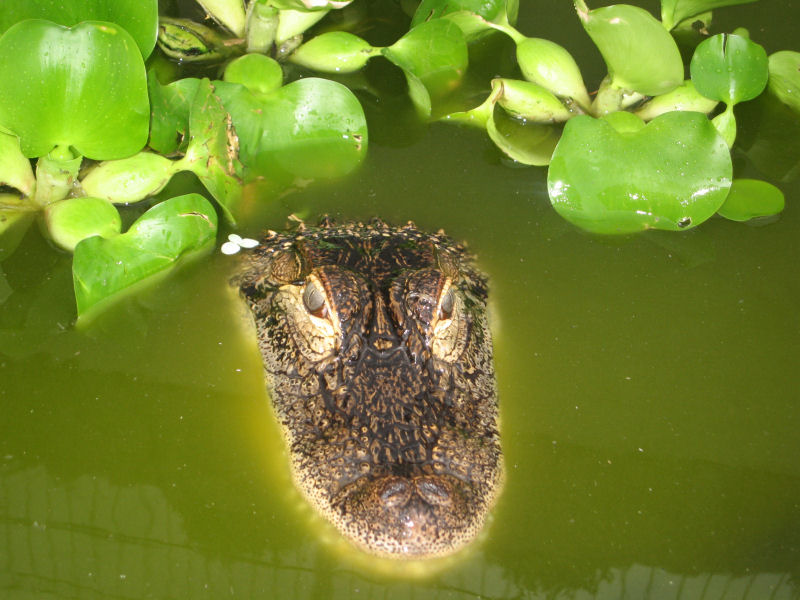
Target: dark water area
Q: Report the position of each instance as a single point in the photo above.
(648, 385)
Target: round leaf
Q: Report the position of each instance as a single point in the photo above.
(83, 87)
(674, 173)
(729, 68)
(312, 128)
(257, 72)
(103, 268)
(138, 17)
(751, 198)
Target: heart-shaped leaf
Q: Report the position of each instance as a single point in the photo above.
(104, 268)
(729, 68)
(674, 173)
(138, 17)
(83, 86)
(309, 129)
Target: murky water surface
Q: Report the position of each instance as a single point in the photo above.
(649, 391)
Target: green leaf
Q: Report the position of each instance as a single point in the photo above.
(729, 68)
(15, 169)
(751, 198)
(83, 87)
(72, 220)
(673, 174)
(169, 118)
(16, 215)
(309, 5)
(474, 17)
(685, 97)
(309, 129)
(784, 77)
(639, 53)
(527, 143)
(526, 100)
(104, 268)
(551, 66)
(131, 179)
(675, 11)
(433, 57)
(138, 17)
(624, 122)
(334, 52)
(213, 152)
(56, 174)
(258, 73)
(228, 13)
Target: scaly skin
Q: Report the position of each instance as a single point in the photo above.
(378, 359)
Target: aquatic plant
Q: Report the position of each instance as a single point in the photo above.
(109, 122)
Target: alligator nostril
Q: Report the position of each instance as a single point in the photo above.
(433, 491)
(395, 492)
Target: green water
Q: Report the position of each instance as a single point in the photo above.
(648, 385)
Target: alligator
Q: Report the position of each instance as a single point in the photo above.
(378, 359)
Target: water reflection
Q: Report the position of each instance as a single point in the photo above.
(89, 538)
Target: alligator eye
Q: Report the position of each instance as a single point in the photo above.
(314, 300)
(446, 306)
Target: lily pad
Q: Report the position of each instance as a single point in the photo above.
(104, 268)
(138, 17)
(729, 68)
(83, 87)
(751, 198)
(673, 173)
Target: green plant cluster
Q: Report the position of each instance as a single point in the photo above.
(90, 120)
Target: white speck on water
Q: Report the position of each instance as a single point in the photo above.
(229, 248)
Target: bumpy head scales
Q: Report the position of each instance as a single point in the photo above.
(379, 361)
